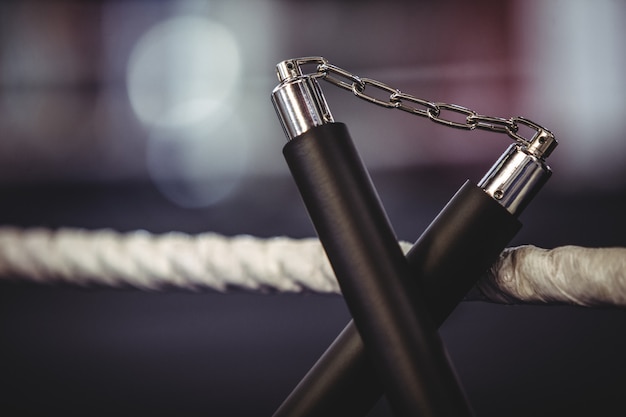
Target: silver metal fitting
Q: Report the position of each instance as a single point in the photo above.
(298, 100)
(520, 172)
(542, 144)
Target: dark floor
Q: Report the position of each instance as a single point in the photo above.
(69, 351)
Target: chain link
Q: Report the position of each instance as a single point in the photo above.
(435, 111)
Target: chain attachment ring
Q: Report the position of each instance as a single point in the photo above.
(328, 71)
(513, 133)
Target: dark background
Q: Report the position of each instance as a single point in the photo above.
(77, 149)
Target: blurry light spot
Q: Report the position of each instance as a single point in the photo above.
(182, 70)
(199, 165)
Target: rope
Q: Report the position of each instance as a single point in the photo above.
(526, 274)
(173, 260)
(591, 277)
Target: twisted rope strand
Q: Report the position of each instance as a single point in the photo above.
(526, 274)
(154, 262)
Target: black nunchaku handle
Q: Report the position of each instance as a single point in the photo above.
(401, 341)
(445, 262)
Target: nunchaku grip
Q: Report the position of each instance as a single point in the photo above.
(458, 247)
(446, 261)
(401, 341)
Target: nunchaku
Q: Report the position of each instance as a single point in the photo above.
(397, 302)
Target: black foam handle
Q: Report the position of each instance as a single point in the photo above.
(400, 339)
(460, 244)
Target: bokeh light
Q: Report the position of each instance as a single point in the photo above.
(199, 165)
(182, 70)
(182, 78)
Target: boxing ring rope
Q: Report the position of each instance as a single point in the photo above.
(591, 277)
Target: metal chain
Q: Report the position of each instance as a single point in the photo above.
(434, 111)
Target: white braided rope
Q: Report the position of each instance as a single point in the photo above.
(153, 262)
(527, 274)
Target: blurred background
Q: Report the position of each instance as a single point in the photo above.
(156, 115)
